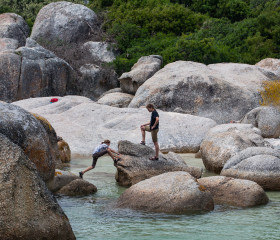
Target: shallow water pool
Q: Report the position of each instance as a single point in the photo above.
(93, 217)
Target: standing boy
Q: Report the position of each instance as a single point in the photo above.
(152, 127)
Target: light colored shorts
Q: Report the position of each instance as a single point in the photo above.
(153, 133)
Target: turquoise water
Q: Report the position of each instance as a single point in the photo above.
(94, 217)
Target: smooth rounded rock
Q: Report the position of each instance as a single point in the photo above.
(145, 68)
(235, 192)
(27, 132)
(172, 192)
(116, 99)
(221, 143)
(267, 119)
(13, 26)
(64, 22)
(28, 210)
(258, 164)
(61, 179)
(78, 187)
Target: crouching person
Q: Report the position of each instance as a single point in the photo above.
(99, 151)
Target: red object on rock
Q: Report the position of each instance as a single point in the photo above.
(54, 100)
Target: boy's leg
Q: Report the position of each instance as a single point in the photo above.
(155, 141)
(143, 133)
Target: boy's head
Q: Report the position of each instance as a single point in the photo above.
(107, 142)
(150, 107)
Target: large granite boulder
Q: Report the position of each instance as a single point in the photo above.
(100, 51)
(272, 64)
(116, 99)
(135, 165)
(27, 132)
(173, 192)
(64, 22)
(61, 178)
(28, 210)
(96, 80)
(236, 192)
(258, 164)
(223, 92)
(33, 71)
(145, 68)
(224, 141)
(267, 119)
(14, 27)
(83, 124)
(78, 187)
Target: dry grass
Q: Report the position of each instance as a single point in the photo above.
(270, 93)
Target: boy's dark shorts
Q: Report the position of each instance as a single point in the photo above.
(97, 155)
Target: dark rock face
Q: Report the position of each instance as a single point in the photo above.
(28, 210)
(224, 141)
(267, 119)
(222, 92)
(95, 81)
(236, 192)
(135, 165)
(259, 164)
(64, 22)
(24, 130)
(78, 187)
(172, 192)
(13, 26)
(33, 71)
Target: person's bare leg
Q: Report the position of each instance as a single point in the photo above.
(156, 148)
(86, 170)
(143, 134)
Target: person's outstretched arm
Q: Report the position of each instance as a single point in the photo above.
(113, 151)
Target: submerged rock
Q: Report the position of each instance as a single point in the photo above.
(258, 164)
(224, 141)
(61, 178)
(78, 187)
(28, 210)
(135, 165)
(173, 192)
(236, 192)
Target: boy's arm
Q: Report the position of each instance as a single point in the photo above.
(156, 122)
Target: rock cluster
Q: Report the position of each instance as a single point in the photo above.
(224, 141)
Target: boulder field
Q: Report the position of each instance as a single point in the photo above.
(84, 124)
(222, 92)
